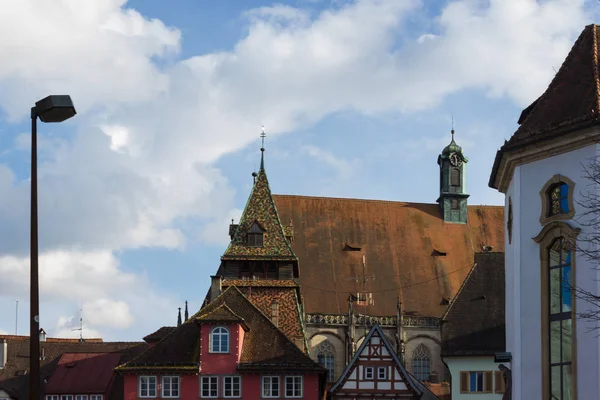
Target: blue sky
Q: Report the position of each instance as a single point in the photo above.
(137, 191)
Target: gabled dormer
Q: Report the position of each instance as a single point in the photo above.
(260, 245)
(221, 340)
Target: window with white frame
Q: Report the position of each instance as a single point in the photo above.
(382, 373)
(81, 397)
(368, 372)
(147, 386)
(96, 397)
(66, 397)
(170, 386)
(293, 386)
(270, 386)
(209, 386)
(232, 386)
(219, 341)
(49, 397)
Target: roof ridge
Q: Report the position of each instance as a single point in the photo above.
(222, 306)
(373, 200)
(595, 64)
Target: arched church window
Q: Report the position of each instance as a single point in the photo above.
(326, 357)
(255, 235)
(558, 197)
(421, 363)
(455, 177)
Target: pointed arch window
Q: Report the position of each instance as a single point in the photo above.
(256, 235)
(326, 357)
(421, 362)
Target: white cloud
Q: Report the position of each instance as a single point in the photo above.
(344, 169)
(147, 136)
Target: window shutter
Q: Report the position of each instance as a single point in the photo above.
(488, 379)
(499, 382)
(464, 382)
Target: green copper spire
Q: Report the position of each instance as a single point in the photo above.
(453, 195)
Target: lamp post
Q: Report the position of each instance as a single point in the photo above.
(49, 109)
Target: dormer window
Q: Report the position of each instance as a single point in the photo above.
(219, 340)
(256, 235)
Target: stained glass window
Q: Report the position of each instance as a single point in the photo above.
(560, 320)
(559, 199)
(326, 357)
(421, 363)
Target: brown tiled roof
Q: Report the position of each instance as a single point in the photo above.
(571, 101)
(474, 323)
(262, 297)
(264, 344)
(159, 334)
(260, 208)
(410, 252)
(220, 314)
(259, 283)
(16, 383)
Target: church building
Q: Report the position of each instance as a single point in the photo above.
(326, 270)
(549, 173)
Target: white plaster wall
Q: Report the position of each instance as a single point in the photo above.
(458, 364)
(523, 296)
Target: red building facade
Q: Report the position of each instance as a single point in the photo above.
(229, 349)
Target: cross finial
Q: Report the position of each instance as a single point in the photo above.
(263, 135)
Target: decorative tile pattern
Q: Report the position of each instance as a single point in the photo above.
(260, 208)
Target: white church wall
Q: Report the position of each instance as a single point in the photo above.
(523, 278)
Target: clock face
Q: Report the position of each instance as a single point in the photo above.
(455, 160)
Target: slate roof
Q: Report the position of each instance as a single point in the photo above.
(260, 208)
(571, 101)
(413, 383)
(474, 323)
(265, 347)
(410, 251)
(81, 373)
(159, 334)
(13, 381)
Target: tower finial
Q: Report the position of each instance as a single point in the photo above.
(452, 131)
(186, 311)
(179, 316)
(263, 135)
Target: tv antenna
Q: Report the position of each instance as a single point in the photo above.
(80, 329)
(366, 298)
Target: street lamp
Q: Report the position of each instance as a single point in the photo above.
(49, 109)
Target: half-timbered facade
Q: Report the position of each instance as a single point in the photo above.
(376, 371)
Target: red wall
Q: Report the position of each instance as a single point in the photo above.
(188, 386)
(220, 363)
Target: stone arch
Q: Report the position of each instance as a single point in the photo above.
(423, 336)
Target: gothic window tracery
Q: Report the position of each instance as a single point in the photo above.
(326, 357)
(421, 362)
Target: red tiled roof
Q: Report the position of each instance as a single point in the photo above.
(80, 373)
(259, 283)
(410, 252)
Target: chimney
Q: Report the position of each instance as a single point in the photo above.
(3, 352)
(215, 286)
(42, 335)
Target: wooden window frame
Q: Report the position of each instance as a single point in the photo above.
(149, 396)
(293, 381)
(487, 382)
(545, 239)
(210, 384)
(227, 334)
(162, 386)
(233, 378)
(545, 217)
(271, 378)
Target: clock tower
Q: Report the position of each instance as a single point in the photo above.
(453, 195)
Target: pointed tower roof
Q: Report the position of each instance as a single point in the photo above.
(187, 315)
(179, 316)
(260, 209)
(571, 101)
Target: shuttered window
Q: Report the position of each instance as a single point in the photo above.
(477, 382)
(499, 385)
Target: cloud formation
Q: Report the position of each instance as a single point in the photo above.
(147, 136)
